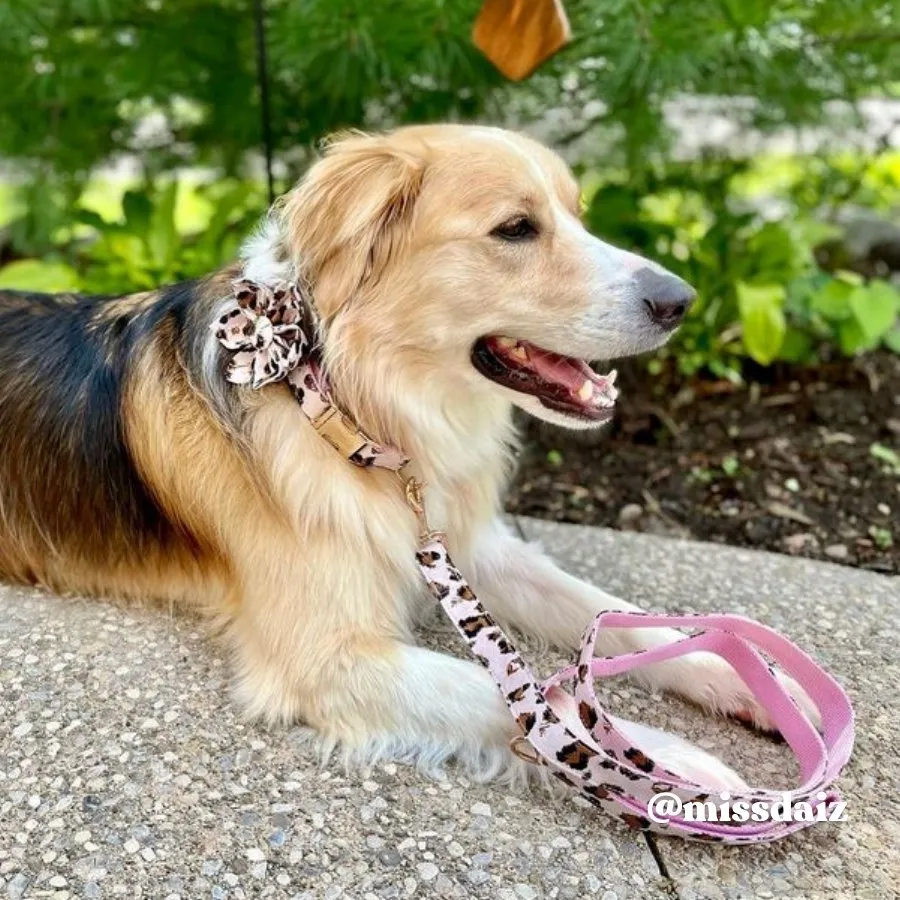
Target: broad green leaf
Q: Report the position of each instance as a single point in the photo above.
(875, 307)
(138, 209)
(37, 275)
(852, 339)
(812, 232)
(832, 300)
(91, 218)
(163, 237)
(892, 339)
(130, 252)
(797, 347)
(763, 319)
(799, 291)
(773, 253)
(846, 276)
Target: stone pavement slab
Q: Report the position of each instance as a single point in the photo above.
(126, 771)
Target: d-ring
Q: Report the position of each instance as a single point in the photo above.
(528, 754)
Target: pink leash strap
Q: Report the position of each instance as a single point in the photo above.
(595, 757)
(736, 639)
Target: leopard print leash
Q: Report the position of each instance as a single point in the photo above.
(268, 331)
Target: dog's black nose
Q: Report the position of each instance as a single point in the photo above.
(666, 297)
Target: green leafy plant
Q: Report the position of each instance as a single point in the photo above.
(173, 86)
(144, 248)
(702, 475)
(40, 275)
(762, 294)
(761, 309)
(883, 537)
(554, 457)
(140, 250)
(853, 314)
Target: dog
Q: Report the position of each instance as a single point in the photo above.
(452, 281)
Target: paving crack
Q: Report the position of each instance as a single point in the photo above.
(669, 885)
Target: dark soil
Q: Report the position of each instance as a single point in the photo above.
(806, 464)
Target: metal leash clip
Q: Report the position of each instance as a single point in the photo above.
(414, 491)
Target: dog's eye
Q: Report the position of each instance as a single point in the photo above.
(520, 228)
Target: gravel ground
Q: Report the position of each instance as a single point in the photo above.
(125, 771)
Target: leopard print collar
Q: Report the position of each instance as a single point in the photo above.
(270, 332)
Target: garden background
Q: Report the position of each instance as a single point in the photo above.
(752, 146)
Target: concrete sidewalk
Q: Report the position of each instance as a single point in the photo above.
(125, 771)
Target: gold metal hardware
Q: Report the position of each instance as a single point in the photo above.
(521, 748)
(415, 496)
(414, 491)
(340, 432)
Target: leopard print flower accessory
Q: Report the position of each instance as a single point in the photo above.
(269, 331)
(263, 328)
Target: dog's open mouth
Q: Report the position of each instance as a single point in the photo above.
(561, 383)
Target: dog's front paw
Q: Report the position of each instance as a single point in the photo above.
(755, 714)
(681, 757)
(709, 681)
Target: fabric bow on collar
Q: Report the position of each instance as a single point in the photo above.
(264, 328)
(270, 331)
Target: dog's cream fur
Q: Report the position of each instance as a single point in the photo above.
(307, 561)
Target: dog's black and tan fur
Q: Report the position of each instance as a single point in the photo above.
(84, 381)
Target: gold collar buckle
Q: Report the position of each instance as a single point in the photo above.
(523, 749)
(340, 432)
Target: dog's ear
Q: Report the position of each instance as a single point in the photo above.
(352, 210)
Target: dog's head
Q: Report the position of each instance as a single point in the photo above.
(457, 254)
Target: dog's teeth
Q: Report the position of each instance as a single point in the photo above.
(586, 391)
(506, 343)
(611, 378)
(519, 352)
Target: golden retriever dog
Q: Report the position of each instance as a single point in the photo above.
(452, 281)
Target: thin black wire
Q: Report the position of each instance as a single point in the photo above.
(262, 75)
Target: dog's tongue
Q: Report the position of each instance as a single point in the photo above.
(566, 374)
(567, 371)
